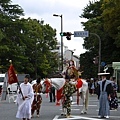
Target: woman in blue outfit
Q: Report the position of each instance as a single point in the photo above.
(104, 90)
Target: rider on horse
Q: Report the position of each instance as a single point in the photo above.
(70, 87)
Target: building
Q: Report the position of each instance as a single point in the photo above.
(68, 55)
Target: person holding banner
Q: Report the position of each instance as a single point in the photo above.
(24, 99)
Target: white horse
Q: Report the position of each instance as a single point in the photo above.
(58, 83)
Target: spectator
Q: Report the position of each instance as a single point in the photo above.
(52, 94)
(92, 86)
(114, 100)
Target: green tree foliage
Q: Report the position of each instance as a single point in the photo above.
(111, 19)
(27, 42)
(87, 66)
(8, 13)
(103, 20)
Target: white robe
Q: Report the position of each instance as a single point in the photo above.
(24, 106)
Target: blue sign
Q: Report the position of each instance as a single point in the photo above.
(103, 64)
(81, 33)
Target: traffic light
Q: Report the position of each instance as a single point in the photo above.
(63, 34)
(68, 36)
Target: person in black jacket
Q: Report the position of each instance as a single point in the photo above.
(104, 90)
(52, 94)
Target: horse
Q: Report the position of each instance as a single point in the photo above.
(58, 83)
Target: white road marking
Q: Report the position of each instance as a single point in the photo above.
(75, 117)
(73, 109)
(110, 110)
(82, 105)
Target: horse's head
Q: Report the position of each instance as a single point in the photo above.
(46, 86)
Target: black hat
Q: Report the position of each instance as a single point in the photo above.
(38, 80)
(27, 76)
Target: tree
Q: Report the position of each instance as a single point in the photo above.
(8, 14)
(111, 19)
(27, 42)
(103, 19)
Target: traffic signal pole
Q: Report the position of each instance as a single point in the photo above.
(61, 43)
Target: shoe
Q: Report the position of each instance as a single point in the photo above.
(38, 116)
(63, 114)
(68, 116)
(107, 116)
(99, 116)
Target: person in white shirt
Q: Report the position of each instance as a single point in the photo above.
(24, 99)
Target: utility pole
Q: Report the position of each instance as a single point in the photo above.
(61, 39)
(99, 53)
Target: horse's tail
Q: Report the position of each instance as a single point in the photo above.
(87, 99)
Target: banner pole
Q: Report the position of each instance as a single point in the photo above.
(20, 90)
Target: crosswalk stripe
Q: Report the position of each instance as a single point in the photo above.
(73, 117)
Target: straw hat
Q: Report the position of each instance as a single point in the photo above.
(103, 74)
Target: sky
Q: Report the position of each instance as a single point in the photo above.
(69, 9)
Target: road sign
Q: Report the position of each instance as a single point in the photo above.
(81, 33)
(103, 64)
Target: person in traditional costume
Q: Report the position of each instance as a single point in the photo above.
(104, 89)
(24, 99)
(37, 87)
(114, 99)
(68, 90)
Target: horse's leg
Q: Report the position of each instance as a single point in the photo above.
(86, 101)
(63, 113)
(83, 100)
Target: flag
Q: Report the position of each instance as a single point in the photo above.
(12, 78)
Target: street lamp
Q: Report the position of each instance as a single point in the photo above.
(72, 52)
(61, 38)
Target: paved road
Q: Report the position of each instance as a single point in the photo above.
(49, 111)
